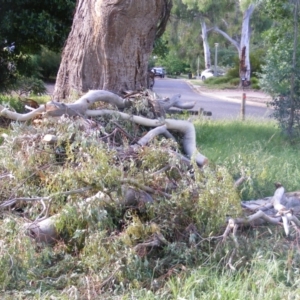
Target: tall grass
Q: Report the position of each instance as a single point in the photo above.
(268, 268)
(254, 149)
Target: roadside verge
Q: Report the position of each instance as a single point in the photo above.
(253, 97)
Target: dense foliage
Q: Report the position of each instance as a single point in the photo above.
(30, 24)
(281, 75)
(184, 33)
(26, 26)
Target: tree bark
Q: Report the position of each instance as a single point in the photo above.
(244, 42)
(109, 45)
(205, 44)
(245, 39)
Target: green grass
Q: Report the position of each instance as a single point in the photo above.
(41, 99)
(266, 277)
(252, 148)
(214, 83)
(16, 104)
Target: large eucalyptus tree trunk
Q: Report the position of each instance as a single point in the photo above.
(109, 45)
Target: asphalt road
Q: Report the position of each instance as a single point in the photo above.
(220, 109)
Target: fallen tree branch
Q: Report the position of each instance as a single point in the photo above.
(80, 107)
(182, 126)
(283, 215)
(45, 198)
(155, 241)
(5, 112)
(151, 134)
(175, 101)
(145, 188)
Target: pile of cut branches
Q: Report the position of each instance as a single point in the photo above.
(121, 176)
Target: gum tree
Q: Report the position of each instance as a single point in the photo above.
(243, 44)
(208, 12)
(110, 44)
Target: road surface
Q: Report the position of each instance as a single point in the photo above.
(220, 109)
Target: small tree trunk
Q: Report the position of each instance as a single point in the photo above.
(244, 47)
(109, 45)
(292, 111)
(205, 43)
(245, 40)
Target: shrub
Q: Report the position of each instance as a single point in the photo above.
(255, 83)
(220, 80)
(29, 85)
(256, 60)
(12, 102)
(233, 72)
(235, 81)
(48, 62)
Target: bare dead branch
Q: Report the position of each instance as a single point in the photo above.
(45, 198)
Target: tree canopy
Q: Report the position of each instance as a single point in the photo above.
(33, 23)
(26, 26)
(281, 74)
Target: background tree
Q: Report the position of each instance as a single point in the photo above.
(243, 44)
(111, 48)
(182, 40)
(26, 26)
(208, 12)
(197, 18)
(31, 24)
(281, 76)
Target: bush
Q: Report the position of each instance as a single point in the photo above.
(11, 102)
(220, 80)
(279, 74)
(29, 85)
(235, 81)
(257, 59)
(48, 62)
(9, 64)
(173, 64)
(255, 83)
(233, 72)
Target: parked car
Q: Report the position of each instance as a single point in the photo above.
(210, 73)
(159, 71)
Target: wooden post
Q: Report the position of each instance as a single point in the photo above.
(243, 106)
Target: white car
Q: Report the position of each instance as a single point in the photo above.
(159, 71)
(210, 73)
